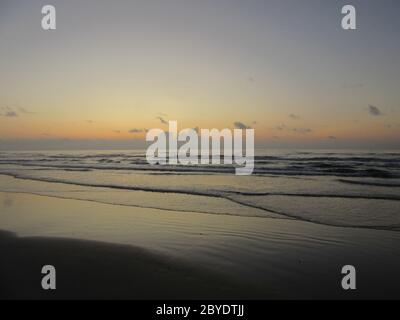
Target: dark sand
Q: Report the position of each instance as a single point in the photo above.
(96, 270)
(170, 255)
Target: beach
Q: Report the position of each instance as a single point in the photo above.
(111, 251)
(114, 226)
(97, 270)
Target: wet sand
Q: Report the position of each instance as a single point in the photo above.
(98, 270)
(110, 251)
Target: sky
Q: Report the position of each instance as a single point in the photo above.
(113, 69)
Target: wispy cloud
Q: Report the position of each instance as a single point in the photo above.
(294, 116)
(10, 114)
(23, 110)
(13, 112)
(353, 85)
(163, 121)
(281, 127)
(302, 130)
(332, 137)
(240, 125)
(136, 130)
(374, 111)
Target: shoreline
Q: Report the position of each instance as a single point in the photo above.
(216, 205)
(114, 252)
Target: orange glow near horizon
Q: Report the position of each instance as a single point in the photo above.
(201, 68)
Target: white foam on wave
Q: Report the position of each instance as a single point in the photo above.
(304, 185)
